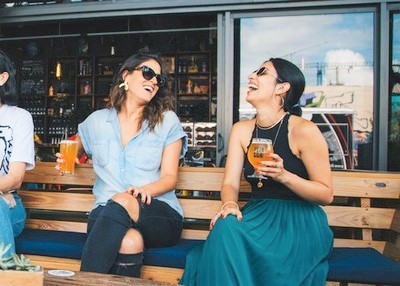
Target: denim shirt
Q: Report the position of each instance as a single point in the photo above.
(137, 164)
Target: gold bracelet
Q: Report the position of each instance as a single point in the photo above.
(229, 202)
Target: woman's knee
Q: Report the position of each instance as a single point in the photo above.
(132, 242)
(129, 203)
(228, 223)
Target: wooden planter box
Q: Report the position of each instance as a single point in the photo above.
(21, 278)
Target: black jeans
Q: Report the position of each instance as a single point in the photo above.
(159, 224)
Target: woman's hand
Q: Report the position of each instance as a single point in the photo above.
(61, 161)
(145, 196)
(272, 168)
(9, 199)
(229, 209)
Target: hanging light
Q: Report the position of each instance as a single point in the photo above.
(58, 70)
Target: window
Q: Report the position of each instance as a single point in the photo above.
(335, 53)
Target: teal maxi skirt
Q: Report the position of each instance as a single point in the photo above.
(278, 242)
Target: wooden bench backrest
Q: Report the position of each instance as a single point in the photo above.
(352, 208)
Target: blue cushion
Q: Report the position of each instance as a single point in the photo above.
(70, 245)
(51, 243)
(173, 256)
(362, 265)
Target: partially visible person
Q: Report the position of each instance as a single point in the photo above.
(281, 236)
(17, 154)
(135, 145)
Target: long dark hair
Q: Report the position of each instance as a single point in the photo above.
(161, 102)
(8, 91)
(289, 72)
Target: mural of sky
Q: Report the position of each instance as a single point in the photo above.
(331, 49)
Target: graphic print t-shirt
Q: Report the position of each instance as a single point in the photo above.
(16, 138)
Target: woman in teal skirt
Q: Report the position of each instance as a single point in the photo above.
(281, 236)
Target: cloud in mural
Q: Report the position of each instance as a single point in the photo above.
(346, 67)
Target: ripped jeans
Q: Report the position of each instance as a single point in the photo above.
(12, 222)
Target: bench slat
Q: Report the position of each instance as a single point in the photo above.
(54, 262)
(58, 200)
(343, 242)
(58, 225)
(194, 234)
(343, 216)
(359, 217)
(45, 173)
(368, 184)
(204, 179)
(365, 184)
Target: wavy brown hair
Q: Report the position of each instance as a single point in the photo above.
(8, 91)
(160, 103)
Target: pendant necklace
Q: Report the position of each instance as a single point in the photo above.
(280, 121)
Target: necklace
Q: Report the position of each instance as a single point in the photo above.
(273, 125)
(280, 121)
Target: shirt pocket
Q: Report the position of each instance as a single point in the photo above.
(101, 152)
(148, 157)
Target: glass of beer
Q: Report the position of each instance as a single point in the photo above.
(259, 150)
(69, 151)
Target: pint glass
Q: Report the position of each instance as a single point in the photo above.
(69, 151)
(258, 151)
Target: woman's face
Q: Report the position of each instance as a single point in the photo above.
(263, 83)
(140, 87)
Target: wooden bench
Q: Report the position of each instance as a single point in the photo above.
(365, 212)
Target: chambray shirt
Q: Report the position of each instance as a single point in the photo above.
(138, 163)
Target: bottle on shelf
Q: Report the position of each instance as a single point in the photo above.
(51, 90)
(193, 68)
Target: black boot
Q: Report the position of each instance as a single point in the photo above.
(128, 265)
(104, 240)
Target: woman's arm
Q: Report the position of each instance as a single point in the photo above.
(239, 139)
(307, 142)
(169, 171)
(13, 179)
(234, 163)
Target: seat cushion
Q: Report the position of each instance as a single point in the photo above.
(362, 265)
(173, 256)
(70, 245)
(51, 243)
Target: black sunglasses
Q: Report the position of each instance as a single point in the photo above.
(264, 70)
(148, 74)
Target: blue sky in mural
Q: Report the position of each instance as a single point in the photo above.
(316, 43)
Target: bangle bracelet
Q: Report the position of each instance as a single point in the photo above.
(1, 193)
(229, 202)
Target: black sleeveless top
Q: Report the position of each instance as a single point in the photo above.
(271, 188)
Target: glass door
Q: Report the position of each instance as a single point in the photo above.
(335, 51)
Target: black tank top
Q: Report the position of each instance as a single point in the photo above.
(271, 188)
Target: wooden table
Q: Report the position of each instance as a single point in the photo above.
(90, 278)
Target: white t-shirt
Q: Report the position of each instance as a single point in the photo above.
(16, 138)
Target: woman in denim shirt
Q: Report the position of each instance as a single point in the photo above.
(135, 145)
(17, 154)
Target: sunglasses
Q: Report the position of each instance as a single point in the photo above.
(148, 74)
(265, 70)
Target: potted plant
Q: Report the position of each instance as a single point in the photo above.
(16, 269)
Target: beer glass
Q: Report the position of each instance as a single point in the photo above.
(69, 151)
(258, 151)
